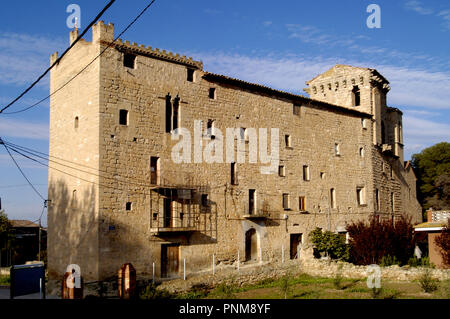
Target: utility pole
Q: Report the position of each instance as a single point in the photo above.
(40, 231)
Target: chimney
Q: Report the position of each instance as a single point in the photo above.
(430, 215)
(73, 35)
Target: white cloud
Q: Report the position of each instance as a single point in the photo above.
(421, 133)
(24, 57)
(410, 87)
(23, 129)
(418, 7)
(417, 87)
(356, 45)
(445, 14)
(212, 11)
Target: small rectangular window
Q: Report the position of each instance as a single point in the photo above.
(360, 196)
(123, 117)
(364, 123)
(301, 203)
(332, 198)
(306, 173)
(337, 149)
(287, 141)
(392, 202)
(377, 200)
(361, 151)
(154, 170)
(281, 171)
(251, 201)
(190, 75)
(212, 93)
(205, 201)
(356, 95)
(286, 202)
(211, 129)
(176, 114)
(128, 206)
(129, 60)
(234, 174)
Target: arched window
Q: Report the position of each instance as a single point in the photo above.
(77, 120)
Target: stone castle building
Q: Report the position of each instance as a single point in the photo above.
(117, 195)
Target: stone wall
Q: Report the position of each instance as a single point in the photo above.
(101, 214)
(252, 274)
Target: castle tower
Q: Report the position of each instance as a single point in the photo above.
(364, 90)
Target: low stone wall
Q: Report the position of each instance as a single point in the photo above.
(325, 268)
(254, 273)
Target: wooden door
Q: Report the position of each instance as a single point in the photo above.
(251, 245)
(296, 241)
(169, 260)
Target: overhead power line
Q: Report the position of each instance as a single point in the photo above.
(88, 65)
(120, 180)
(60, 58)
(21, 171)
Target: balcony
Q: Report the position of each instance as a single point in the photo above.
(255, 212)
(257, 215)
(164, 225)
(387, 149)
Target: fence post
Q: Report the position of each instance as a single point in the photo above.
(184, 268)
(238, 261)
(153, 277)
(260, 255)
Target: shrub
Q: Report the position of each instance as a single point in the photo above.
(422, 262)
(443, 242)
(388, 261)
(225, 291)
(150, 292)
(5, 280)
(427, 282)
(330, 243)
(369, 243)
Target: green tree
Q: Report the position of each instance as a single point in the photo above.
(432, 167)
(330, 243)
(5, 232)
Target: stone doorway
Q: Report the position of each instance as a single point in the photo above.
(295, 246)
(251, 245)
(170, 260)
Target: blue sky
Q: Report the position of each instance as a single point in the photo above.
(281, 44)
